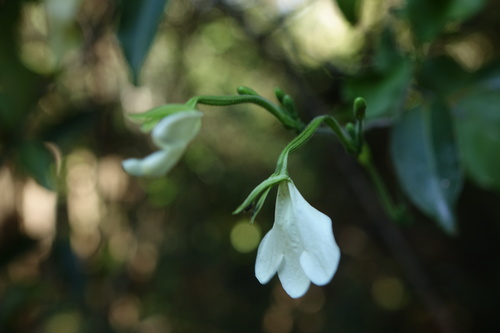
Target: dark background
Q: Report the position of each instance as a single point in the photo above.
(86, 248)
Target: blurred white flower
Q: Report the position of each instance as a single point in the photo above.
(172, 135)
(300, 247)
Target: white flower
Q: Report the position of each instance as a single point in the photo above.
(300, 246)
(172, 135)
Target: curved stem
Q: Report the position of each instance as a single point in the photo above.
(394, 211)
(307, 133)
(282, 116)
(349, 145)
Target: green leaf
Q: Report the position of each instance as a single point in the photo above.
(426, 159)
(477, 120)
(429, 17)
(138, 24)
(70, 130)
(19, 86)
(350, 9)
(384, 92)
(37, 161)
(443, 74)
(463, 9)
(384, 86)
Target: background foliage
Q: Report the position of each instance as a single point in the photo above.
(85, 248)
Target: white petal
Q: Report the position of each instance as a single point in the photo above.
(292, 277)
(177, 128)
(269, 257)
(321, 253)
(156, 164)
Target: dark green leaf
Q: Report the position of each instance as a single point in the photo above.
(443, 74)
(387, 52)
(428, 17)
(426, 160)
(138, 24)
(477, 119)
(384, 86)
(19, 86)
(463, 9)
(70, 130)
(350, 9)
(36, 160)
(384, 92)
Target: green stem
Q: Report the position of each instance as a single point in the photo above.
(296, 143)
(282, 116)
(307, 133)
(349, 145)
(392, 210)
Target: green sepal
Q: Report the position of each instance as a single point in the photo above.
(150, 118)
(260, 191)
(259, 204)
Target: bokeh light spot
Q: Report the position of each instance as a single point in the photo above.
(389, 293)
(64, 322)
(245, 237)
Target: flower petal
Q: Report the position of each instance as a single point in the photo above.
(321, 253)
(292, 277)
(269, 257)
(180, 127)
(156, 164)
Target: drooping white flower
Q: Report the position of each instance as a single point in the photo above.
(300, 247)
(172, 135)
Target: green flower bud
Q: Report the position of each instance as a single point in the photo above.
(359, 108)
(279, 94)
(246, 91)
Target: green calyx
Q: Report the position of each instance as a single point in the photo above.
(150, 118)
(257, 197)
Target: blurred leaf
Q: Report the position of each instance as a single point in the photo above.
(428, 17)
(477, 119)
(387, 52)
(384, 85)
(443, 74)
(384, 92)
(19, 87)
(350, 9)
(138, 24)
(463, 9)
(15, 297)
(489, 76)
(35, 159)
(426, 160)
(66, 133)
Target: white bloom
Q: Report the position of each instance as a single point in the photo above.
(172, 135)
(300, 246)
